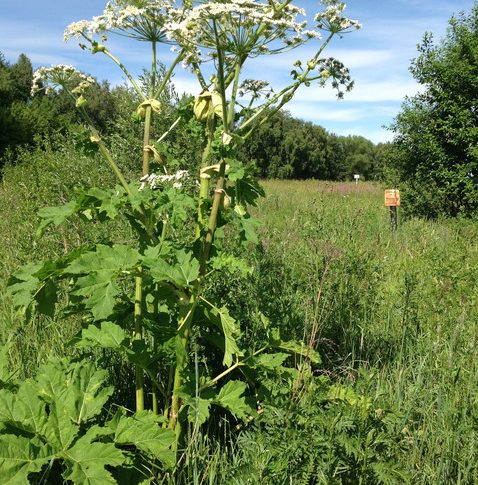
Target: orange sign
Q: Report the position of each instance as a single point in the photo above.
(392, 198)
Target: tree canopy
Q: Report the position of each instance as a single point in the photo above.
(435, 153)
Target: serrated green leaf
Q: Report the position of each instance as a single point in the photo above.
(231, 264)
(44, 421)
(29, 409)
(143, 431)
(101, 268)
(181, 273)
(231, 397)
(74, 395)
(230, 331)
(23, 284)
(198, 410)
(22, 414)
(270, 361)
(47, 298)
(55, 215)
(108, 335)
(86, 462)
(5, 374)
(249, 229)
(87, 391)
(188, 267)
(100, 293)
(300, 348)
(111, 259)
(153, 253)
(105, 201)
(20, 456)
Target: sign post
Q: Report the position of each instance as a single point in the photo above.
(356, 178)
(392, 200)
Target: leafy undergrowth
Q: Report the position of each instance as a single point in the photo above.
(56, 424)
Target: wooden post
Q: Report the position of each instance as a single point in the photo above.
(392, 200)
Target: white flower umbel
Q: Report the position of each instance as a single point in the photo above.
(242, 26)
(332, 20)
(143, 23)
(154, 181)
(61, 75)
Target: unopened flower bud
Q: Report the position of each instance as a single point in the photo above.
(81, 102)
(203, 106)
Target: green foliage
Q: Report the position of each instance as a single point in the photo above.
(436, 133)
(288, 148)
(56, 418)
(326, 437)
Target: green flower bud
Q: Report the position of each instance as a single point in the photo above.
(98, 48)
(141, 111)
(203, 106)
(81, 102)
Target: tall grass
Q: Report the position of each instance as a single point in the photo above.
(397, 312)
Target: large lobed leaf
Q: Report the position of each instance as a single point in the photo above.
(101, 267)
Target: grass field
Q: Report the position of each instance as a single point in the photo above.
(394, 315)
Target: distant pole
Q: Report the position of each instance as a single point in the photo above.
(393, 217)
(392, 200)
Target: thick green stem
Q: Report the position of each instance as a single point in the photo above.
(105, 152)
(138, 335)
(168, 74)
(232, 103)
(146, 139)
(182, 339)
(221, 79)
(169, 388)
(205, 178)
(216, 204)
(123, 68)
(203, 194)
(154, 396)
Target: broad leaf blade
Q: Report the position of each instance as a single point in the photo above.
(20, 456)
(143, 431)
(86, 462)
(231, 397)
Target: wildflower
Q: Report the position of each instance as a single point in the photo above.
(61, 75)
(143, 23)
(154, 181)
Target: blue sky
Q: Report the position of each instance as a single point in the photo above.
(378, 55)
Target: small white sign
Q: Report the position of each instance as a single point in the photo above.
(356, 177)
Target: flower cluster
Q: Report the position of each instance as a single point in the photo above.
(143, 23)
(256, 89)
(154, 181)
(332, 20)
(64, 76)
(240, 26)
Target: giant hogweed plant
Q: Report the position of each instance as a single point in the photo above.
(147, 300)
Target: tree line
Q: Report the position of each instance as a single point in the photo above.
(285, 147)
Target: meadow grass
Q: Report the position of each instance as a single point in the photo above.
(396, 312)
